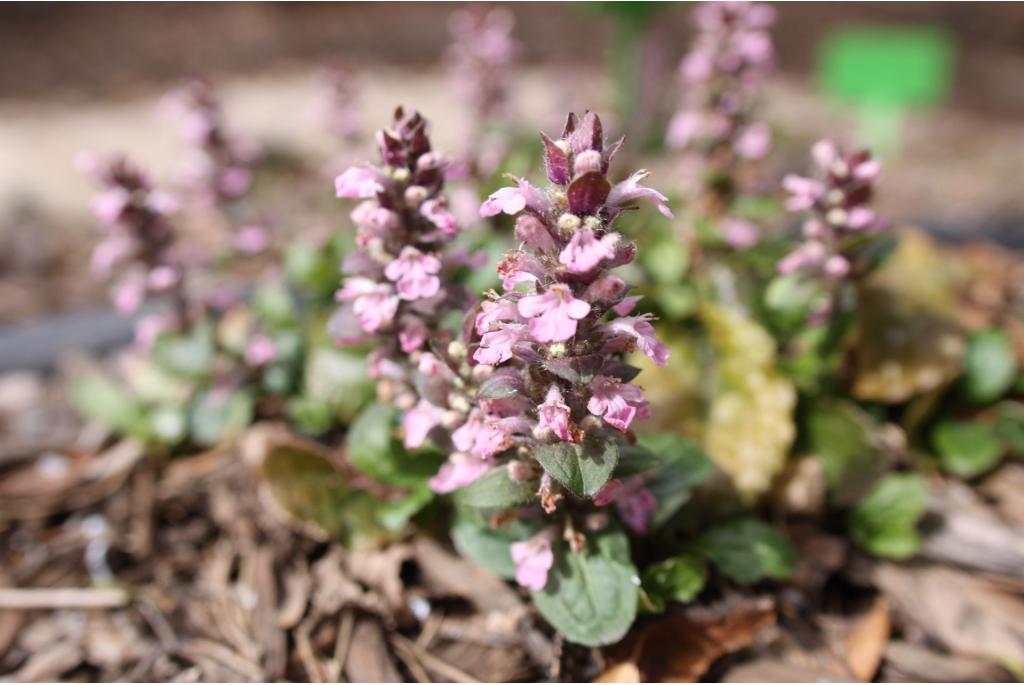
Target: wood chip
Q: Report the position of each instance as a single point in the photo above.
(368, 658)
(63, 598)
(867, 639)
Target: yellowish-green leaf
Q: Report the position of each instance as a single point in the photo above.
(750, 427)
(908, 343)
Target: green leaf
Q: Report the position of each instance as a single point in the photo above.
(885, 521)
(395, 514)
(748, 550)
(488, 547)
(338, 378)
(844, 438)
(679, 579)
(274, 304)
(789, 298)
(966, 449)
(681, 466)
(308, 486)
(101, 400)
(1009, 426)
(990, 367)
(584, 469)
(495, 490)
(217, 415)
(191, 354)
(374, 449)
(310, 415)
(591, 595)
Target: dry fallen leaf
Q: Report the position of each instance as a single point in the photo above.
(867, 639)
(682, 647)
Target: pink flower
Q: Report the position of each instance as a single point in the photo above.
(803, 192)
(553, 414)
(359, 181)
(585, 251)
(633, 500)
(412, 335)
(606, 289)
(640, 329)
(374, 304)
(418, 422)
(492, 312)
(519, 267)
(459, 471)
(415, 274)
(619, 403)
(109, 204)
(683, 128)
(508, 200)
(806, 257)
(627, 305)
(251, 239)
(533, 559)
(162, 277)
(109, 252)
(739, 233)
(480, 436)
(514, 200)
(753, 142)
(553, 315)
(436, 212)
(128, 295)
(148, 328)
(630, 190)
(496, 345)
(260, 351)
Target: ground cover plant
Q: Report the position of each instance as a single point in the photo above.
(631, 395)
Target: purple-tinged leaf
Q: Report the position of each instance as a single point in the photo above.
(502, 384)
(576, 370)
(589, 135)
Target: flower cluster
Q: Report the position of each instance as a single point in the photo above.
(480, 57)
(137, 251)
(220, 168)
(721, 77)
(339, 104)
(394, 293)
(480, 60)
(836, 203)
(548, 348)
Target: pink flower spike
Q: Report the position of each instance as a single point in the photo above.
(553, 315)
(554, 414)
(359, 181)
(618, 403)
(418, 422)
(459, 471)
(630, 190)
(109, 204)
(640, 329)
(415, 274)
(803, 192)
(533, 559)
(585, 251)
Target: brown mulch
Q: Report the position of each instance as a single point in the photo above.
(122, 565)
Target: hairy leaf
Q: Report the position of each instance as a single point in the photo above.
(748, 550)
(583, 469)
(591, 595)
(885, 522)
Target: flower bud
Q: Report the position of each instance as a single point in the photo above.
(532, 231)
(414, 195)
(568, 223)
(588, 160)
